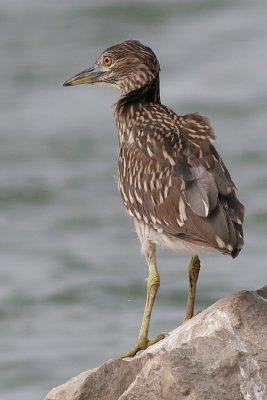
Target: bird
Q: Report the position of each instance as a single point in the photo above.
(172, 181)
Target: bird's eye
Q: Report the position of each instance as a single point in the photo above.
(107, 61)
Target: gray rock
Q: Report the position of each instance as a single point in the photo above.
(220, 354)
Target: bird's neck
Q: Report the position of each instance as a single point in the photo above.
(130, 104)
(148, 93)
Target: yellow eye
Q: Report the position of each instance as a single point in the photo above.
(107, 61)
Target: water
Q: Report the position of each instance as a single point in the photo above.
(71, 275)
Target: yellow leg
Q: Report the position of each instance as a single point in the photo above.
(193, 271)
(153, 284)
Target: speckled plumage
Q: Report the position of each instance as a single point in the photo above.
(172, 180)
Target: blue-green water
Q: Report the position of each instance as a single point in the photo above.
(72, 284)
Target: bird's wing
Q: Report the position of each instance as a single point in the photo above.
(178, 183)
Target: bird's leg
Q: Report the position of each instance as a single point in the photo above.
(193, 271)
(153, 284)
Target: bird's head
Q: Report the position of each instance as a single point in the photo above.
(127, 66)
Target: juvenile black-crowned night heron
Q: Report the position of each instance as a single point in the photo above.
(172, 181)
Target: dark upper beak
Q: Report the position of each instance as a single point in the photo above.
(90, 75)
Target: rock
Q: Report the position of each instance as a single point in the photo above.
(220, 354)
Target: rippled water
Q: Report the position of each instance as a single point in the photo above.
(71, 275)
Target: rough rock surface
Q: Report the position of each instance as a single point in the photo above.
(220, 354)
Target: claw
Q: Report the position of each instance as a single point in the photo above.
(143, 345)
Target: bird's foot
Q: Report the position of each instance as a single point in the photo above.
(186, 318)
(142, 345)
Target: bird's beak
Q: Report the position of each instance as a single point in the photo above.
(90, 75)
